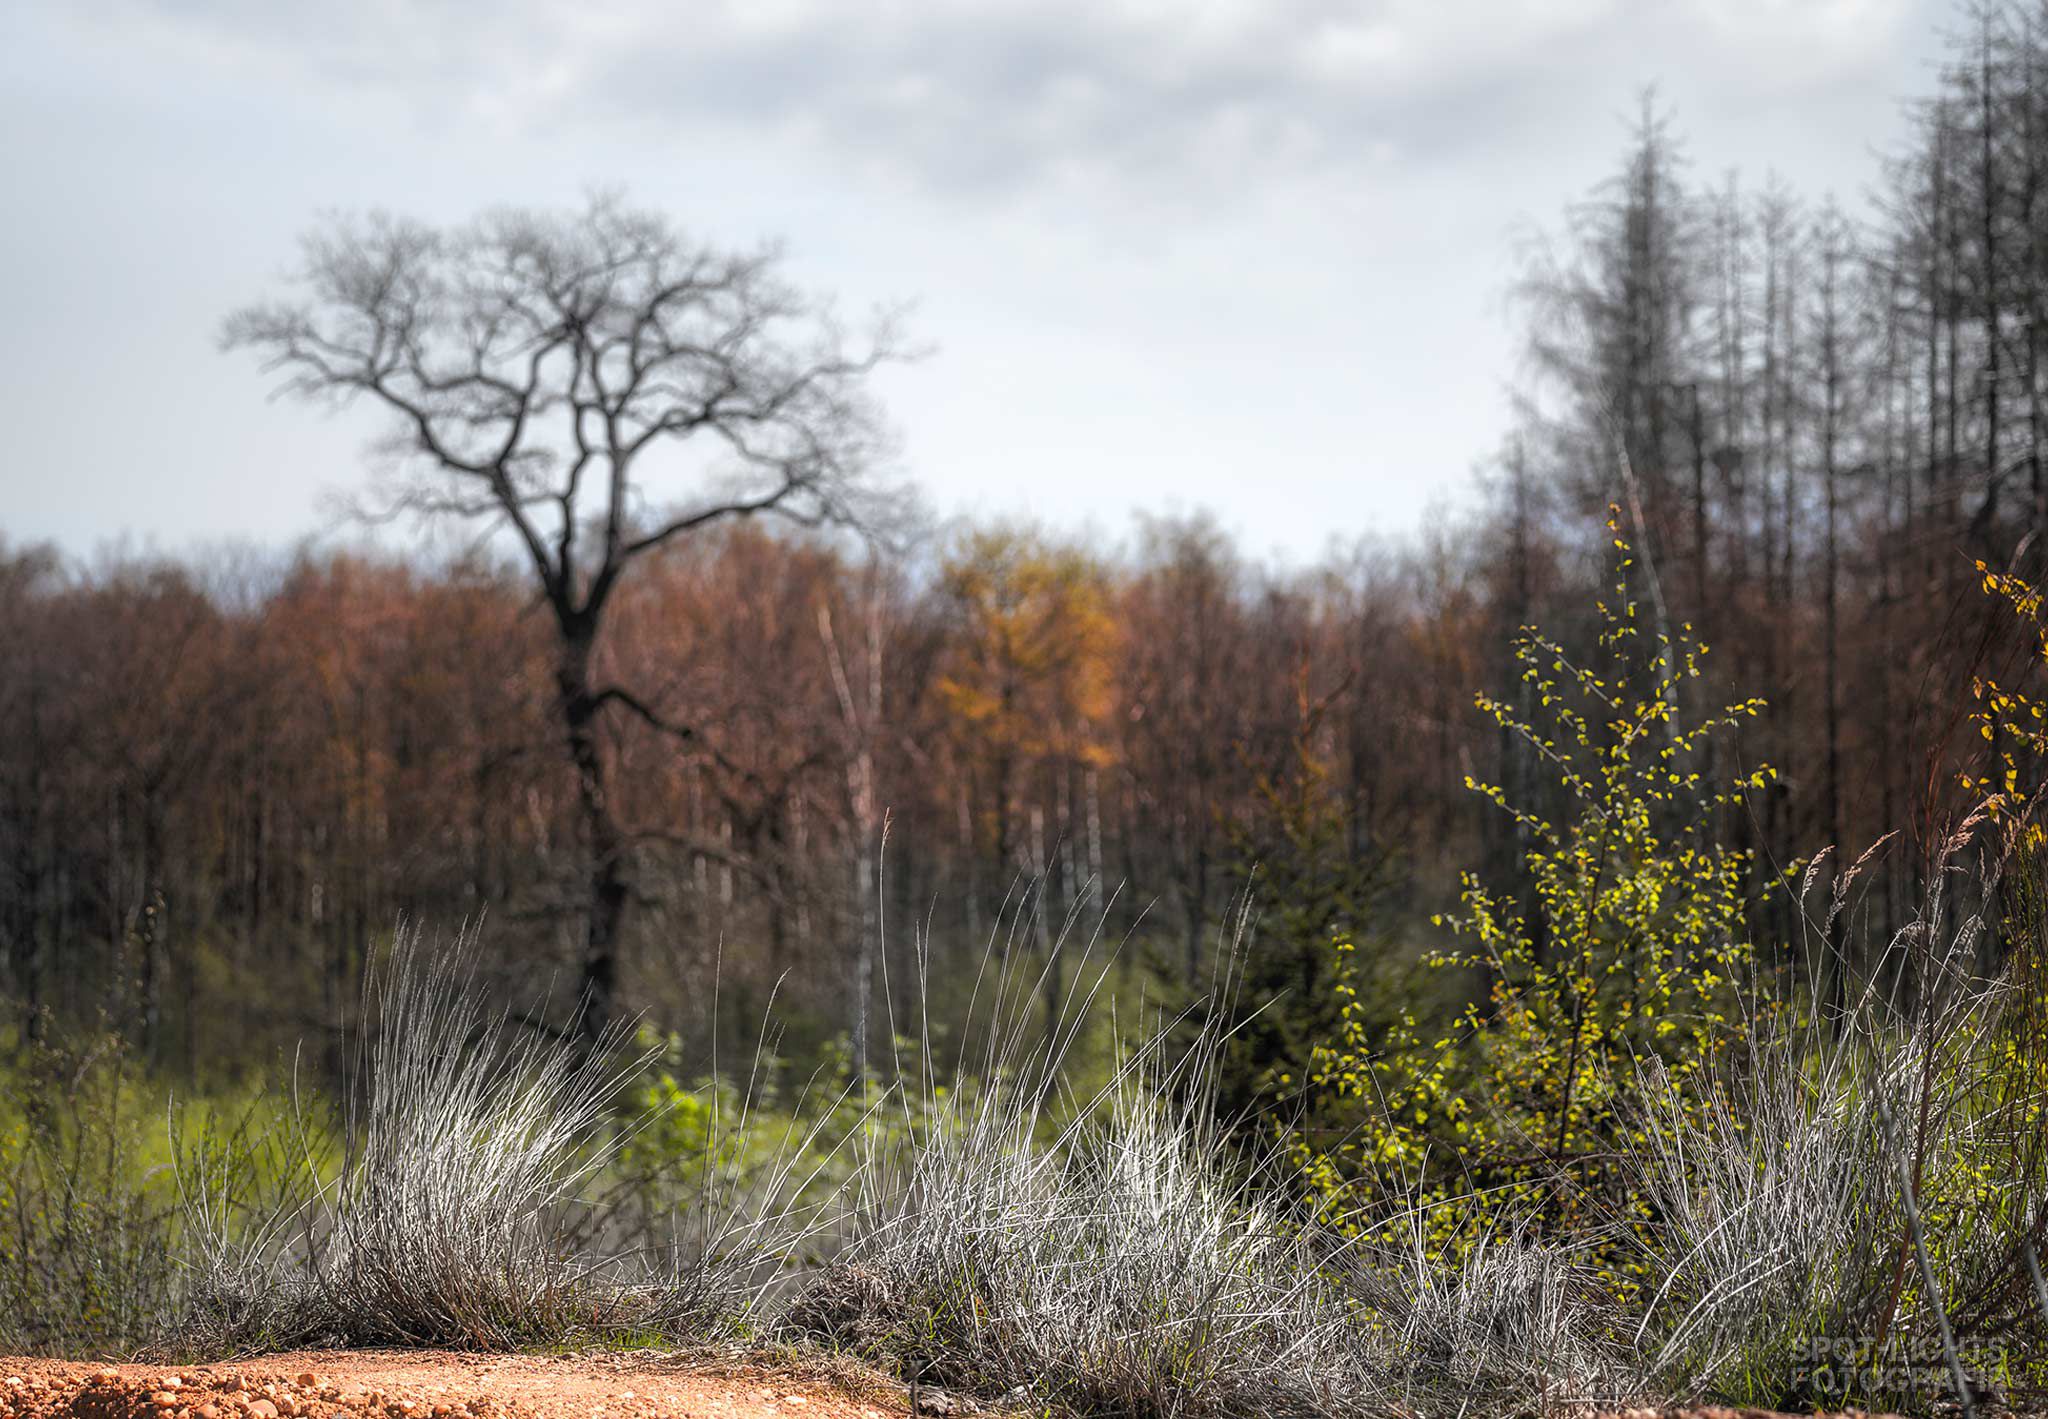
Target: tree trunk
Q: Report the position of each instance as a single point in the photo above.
(867, 925)
(1837, 963)
(604, 846)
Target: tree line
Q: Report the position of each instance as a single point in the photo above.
(227, 778)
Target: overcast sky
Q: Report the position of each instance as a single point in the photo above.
(1241, 255)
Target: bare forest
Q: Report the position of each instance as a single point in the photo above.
(1598, 935)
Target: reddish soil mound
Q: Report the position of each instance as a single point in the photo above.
(384, 1384)
(414, 1385)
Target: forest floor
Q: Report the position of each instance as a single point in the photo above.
(385, 1384)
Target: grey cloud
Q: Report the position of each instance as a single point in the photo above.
(1158, 97)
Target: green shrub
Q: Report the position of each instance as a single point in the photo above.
(1623, 943)
(86, 1217)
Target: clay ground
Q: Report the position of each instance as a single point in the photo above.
(373, 1384)
(436, 1385)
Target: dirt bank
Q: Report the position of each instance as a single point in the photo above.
(428, 1385)
(381, 1384)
